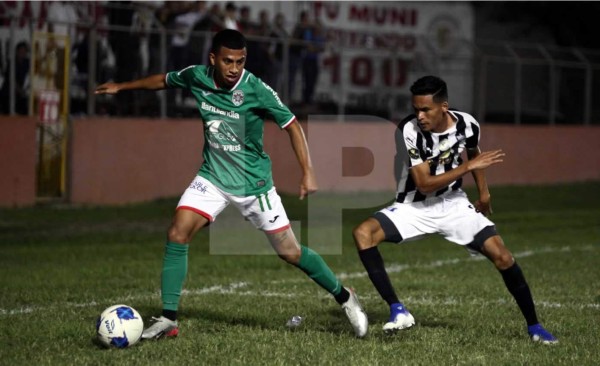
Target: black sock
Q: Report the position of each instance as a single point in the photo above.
(170, 314)
(518, 287)
(373, 263)
(342, 297)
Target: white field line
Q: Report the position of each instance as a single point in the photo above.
(236, 287)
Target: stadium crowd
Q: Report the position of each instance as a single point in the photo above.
(130, 35)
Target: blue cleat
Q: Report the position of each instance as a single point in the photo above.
(400, 318)
(539, 334)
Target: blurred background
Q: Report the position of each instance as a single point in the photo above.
(509, 63)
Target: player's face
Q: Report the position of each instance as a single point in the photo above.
(228, 64)
(432, 116)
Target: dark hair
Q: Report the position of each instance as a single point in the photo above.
(230, 6)
(22, 44)
(431, 85)
(229, 38)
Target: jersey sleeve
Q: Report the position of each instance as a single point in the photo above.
(409, 137)
(180, 79)
(270, 101)
(473, 140)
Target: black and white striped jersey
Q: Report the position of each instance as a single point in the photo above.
(441, 150)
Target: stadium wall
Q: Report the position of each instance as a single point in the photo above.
(17, 161)
(118, 161)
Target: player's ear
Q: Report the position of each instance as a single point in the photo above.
(212, 58)
(445, 106)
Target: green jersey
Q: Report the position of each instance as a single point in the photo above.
(233, 120)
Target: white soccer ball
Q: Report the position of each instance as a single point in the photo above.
(119, 326)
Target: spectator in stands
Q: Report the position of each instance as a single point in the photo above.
(21, 82)
(123, 45)
(230, 19)
(62, 21)
(184, 24)
(297, 47)
(201, 36)
(310, 61)
(280, 34)
(257, 60)
(143, 24)
(245, 23)
(265, 30)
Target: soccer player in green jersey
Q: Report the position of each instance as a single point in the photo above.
(233, 104)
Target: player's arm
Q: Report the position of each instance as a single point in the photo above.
(427, 183)
(152, 82)
(483, 204)
(300, 146)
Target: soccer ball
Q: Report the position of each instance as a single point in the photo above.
(119, 326)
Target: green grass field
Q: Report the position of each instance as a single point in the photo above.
(60, 266)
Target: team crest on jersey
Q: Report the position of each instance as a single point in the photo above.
(413, 153)
(445, 145)
(237, 98)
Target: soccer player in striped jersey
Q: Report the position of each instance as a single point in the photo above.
(233, 104)
(429, 200)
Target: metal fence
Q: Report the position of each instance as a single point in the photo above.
(499, 82)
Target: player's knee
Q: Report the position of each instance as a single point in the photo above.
(504, 261)
(363, 237)
(289, 253)
(498, 253)
(176, 235)
(291, 258)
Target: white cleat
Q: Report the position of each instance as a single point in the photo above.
(356, 315)
(162, 327)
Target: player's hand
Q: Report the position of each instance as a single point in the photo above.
(308, 184)
(485, 159)
(107, 88)
(484, 205)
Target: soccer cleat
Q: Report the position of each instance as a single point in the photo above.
(399, 319)
(162, 327)
(539, 334)
(356, 315)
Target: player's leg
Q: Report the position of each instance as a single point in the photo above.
(311, 263)
(367, 237)
(185, 224)
(494, 249)
(266, 212)
(462, 224)
(200, 204)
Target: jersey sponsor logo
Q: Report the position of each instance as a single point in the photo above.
(213, 109)
(413, 153)
(199, 186)
(206, 93)
(221, 136)
(274, 93)
(237, 97)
